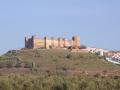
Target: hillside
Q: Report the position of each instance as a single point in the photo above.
(55, 61)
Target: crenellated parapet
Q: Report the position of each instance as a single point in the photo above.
(34, 42)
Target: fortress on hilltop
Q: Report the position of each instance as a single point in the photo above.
(34, 42)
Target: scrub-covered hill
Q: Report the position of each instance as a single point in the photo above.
(55, 61)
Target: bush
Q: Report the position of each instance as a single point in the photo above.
(69, 56)
(18, 65)
(35, 82)
(83, 47)
(3, 58)
(11, 53)
(30, 64)
(55, 59)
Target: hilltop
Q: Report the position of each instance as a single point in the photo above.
(55, 61)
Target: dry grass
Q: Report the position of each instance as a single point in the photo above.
(55, 60)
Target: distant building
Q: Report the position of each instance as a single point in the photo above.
(115, 54)
(98, 51)
(34, 42)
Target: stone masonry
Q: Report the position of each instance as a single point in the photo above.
(34, 42)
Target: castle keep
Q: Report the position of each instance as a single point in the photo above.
(34, 42)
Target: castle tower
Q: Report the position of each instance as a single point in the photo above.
(26, 40)
(64, 42)
(33, 42)
(29, 42)
(46, 40)
(76, 41)
(60, 42)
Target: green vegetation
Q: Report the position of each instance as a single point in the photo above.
(83, 47)
(57, 70)
(3, 58)
(35, 82)
(56, 61)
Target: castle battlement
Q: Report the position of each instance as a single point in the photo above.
(34, 42)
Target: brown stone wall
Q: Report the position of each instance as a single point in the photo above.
(76, 41)
(61, 42)
(36, 42)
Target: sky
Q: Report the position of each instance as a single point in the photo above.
(97, 22)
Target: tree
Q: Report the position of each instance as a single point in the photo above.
(83, 47)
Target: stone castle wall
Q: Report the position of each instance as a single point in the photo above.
(34, 42)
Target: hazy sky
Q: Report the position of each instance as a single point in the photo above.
(96, 21)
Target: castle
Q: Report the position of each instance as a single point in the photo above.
(34, 42)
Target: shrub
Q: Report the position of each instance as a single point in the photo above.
(28, 64)
(18, 65)
(31, 65)
(69, 56)
(3, 58)
(83, 47)
(36, 82)
(55, 59)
